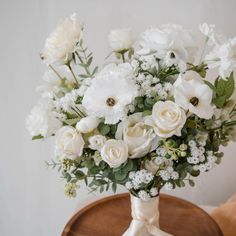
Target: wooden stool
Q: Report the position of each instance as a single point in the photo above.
(111, 217)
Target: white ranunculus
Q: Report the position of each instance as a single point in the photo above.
(61, 43)
(69, 143)
(114, 152)
(97, 142)
(120, 39)
(110, 93)
(87, 124)
(170, 43)
(140, 138)
(43, 119)
(194, 95)
(223, 57)
(167, 119)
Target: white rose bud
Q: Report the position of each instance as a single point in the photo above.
(120, 39)
(97, 142)
(167, 119)
(61, 43)
(114, 153)
(87, 124)
(69, 143)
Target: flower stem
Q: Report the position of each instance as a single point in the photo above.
(53, 69)
(123, 57)
(73, 74)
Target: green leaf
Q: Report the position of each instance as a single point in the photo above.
(79, 174)
(191, 183)
(114, 187)
(83, 76)
(95, 70)
(104, 129)
(37, 137)
(220, 88)
(89, 61)
(219, 101)
(120, 175)
(229, 86)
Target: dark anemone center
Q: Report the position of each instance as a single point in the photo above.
(111, 102)
(194, 101)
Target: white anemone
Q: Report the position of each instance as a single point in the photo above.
(194, 95)
(110, 92)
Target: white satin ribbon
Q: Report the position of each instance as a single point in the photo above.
(145, 216)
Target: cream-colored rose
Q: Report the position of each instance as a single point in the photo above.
(114, 152)
(167, 119)
(120, 39)
(61, 43)
(140, 137)
(97, 142)
(87, 124)
(151, 166)
(69, 143)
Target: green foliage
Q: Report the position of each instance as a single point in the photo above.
(37, 137)
(223, 90)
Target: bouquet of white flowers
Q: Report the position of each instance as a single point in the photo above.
(154, 118)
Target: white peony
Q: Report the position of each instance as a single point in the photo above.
(87, 124)
(114, 153)
(169, 42)
(140, 138)
(194, 95)
(69, 143)
(120, 39)
(61, 43)
(110, 93)
(167, 119)
(223, 57)
(43, 119)
(97, 142)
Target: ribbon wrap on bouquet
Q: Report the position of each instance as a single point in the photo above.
(145, 216)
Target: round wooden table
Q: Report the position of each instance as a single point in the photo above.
(111, 217)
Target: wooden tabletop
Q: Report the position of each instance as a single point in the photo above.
(111, 217)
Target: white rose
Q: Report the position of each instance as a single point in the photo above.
(69, 143)
(151, 166)
(87, 124)
(114, 153)
(120, 39)
(167, 119)
(62, 41)
(97, 142)
(140, 137)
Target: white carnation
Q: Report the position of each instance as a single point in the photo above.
(43, 119)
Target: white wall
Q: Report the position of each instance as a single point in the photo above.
(31, 198)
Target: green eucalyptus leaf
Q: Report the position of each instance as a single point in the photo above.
(191, 183)
(114, 187)
(104, 129)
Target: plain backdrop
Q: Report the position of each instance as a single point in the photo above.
(32, 202)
